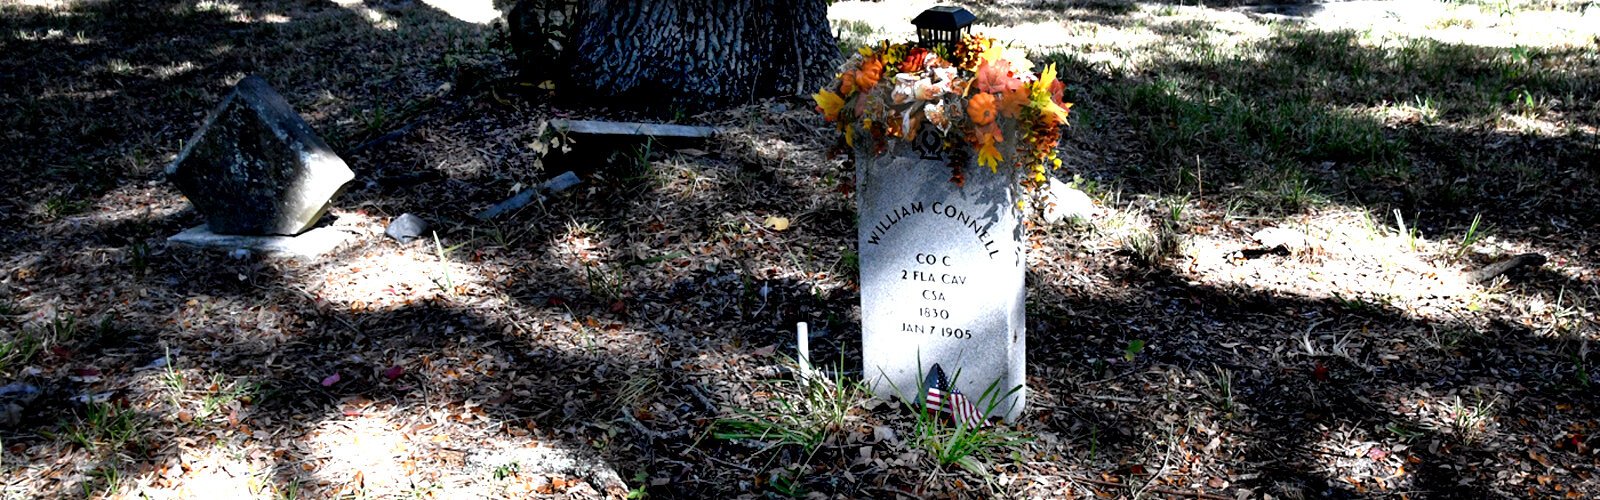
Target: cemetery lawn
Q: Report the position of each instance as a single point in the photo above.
(629, 337)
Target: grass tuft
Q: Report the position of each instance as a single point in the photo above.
(1470, 238)
(18, 349)
(806, 411)
(102, 427)
(953, 443)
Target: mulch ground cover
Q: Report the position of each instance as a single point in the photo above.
(603, 341)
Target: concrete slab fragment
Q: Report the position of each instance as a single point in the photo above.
(596, 127)
(314, 243)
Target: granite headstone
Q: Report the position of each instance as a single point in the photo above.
(942, 279)
(256, 168)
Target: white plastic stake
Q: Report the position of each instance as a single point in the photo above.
(803, 343)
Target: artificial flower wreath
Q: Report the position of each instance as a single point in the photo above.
(893, 91)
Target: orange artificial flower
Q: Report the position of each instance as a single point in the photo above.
(987, 133)
(914, 60)
(995, 76)
(981, 109)
(1013, 101)
(871, 71)
(847, 83)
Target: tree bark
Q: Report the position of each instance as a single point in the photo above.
(693, 55)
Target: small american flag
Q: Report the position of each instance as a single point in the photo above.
(945, 399)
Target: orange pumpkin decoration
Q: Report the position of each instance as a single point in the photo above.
(980, 109)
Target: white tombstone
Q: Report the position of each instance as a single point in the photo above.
(942, 279)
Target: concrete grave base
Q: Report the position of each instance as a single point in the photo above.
(314, 243)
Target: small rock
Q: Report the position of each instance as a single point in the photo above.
(88, 398)
(18, 391)
(1065, 203)
(406, 227)
(885, 434)
(160, 362)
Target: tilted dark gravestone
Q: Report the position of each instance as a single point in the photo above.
(942, 280)
(256, 168)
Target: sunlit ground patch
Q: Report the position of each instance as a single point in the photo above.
(382, 279)
(375, 18)
(472, 11)
(223, 470)
(364, 453)
(1349, 256)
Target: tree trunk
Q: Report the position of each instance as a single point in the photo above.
(693, 55)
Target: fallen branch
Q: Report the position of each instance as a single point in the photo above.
(1119, 399)
(414, 114)
(1491, 271)
(638, 426)
(695, 390)
(392, 135)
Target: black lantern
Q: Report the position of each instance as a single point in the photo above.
(942, 26)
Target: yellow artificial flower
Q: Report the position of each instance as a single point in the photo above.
(990, 157)
(1045, 77)
(1018, 59)
(1041, 96)
(1049, 110)
(970, 51)
(893, 54)
(830, 104)
(990, 54)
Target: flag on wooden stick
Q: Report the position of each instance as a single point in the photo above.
(943, 398)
